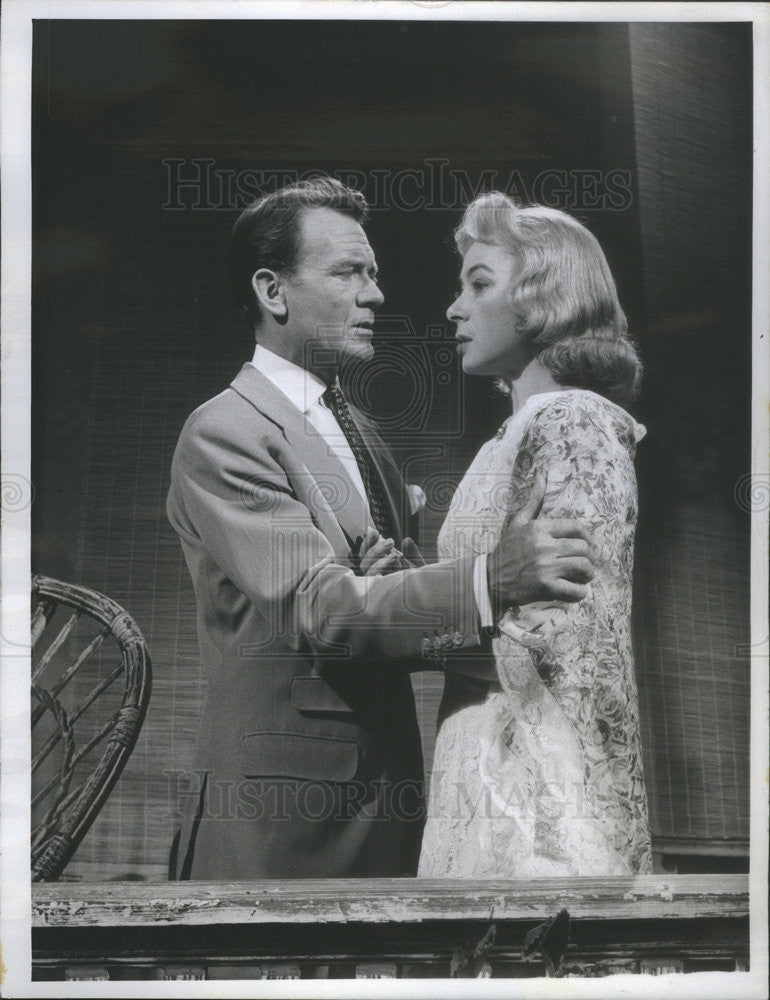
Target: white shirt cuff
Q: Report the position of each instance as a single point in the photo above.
(481, 592)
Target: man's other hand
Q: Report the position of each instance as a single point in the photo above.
(379, 556)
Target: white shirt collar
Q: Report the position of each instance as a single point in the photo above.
(301, 387)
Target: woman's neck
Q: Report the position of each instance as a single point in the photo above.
(534, 379)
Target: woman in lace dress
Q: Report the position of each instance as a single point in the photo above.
(540, 772)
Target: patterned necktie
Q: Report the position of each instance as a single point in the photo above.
(375, 494)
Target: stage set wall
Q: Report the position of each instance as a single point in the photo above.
(133, 326)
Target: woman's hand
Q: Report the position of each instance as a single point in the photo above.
(379, 555)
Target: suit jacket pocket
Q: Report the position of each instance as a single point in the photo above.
(297, 755)
(313, 694)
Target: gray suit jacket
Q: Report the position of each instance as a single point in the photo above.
(308, 736)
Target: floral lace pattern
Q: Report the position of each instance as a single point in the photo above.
(544, 777)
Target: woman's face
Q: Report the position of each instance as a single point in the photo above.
(486, 338)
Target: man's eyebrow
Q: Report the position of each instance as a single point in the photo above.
(355, 260)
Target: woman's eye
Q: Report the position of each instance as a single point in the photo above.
(478, 285)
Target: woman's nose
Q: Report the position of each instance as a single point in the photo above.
(455, 312)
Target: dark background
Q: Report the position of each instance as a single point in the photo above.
(648, 127)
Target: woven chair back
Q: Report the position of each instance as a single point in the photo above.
(91, 682)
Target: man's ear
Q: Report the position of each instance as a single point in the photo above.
(269, 291)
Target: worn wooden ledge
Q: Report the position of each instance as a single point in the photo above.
(417, 927)
(340, 901)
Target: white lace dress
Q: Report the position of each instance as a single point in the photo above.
(543, 776)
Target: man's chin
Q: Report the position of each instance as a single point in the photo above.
(358, 350)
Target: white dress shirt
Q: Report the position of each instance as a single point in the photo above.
(304, 390)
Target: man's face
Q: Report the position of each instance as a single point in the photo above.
(333, 293)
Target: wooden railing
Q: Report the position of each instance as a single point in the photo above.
(390, 928)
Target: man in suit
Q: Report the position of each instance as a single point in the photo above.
(292, 516)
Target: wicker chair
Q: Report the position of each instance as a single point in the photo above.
(78, 754)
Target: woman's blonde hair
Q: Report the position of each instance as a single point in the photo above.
(564, 296)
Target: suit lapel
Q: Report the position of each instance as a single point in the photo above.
(334, 493)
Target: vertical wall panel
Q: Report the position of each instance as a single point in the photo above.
(692, 118)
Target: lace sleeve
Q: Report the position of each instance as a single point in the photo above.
(584, 447)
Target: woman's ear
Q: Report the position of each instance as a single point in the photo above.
(268, 289)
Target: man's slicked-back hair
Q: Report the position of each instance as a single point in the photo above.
(266, 234)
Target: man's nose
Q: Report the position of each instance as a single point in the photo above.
(371, 294)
